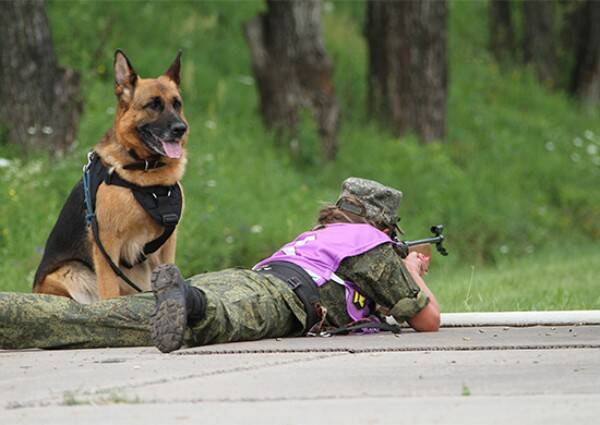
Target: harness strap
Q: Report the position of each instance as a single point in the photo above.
(150, 247)
(302, 285)
(113, 266)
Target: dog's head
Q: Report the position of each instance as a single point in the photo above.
(149, 117)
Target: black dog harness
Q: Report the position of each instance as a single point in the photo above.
(162, 203)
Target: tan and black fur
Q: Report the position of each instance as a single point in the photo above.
(149, 119)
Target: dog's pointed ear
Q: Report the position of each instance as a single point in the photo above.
(174, 70)
(125, 77)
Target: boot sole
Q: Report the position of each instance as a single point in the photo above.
(168, 323)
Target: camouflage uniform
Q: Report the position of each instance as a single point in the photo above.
(242, 305)
(379, 275)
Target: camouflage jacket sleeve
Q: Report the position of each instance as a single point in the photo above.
(380, 275)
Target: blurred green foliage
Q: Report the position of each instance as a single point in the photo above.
(519, 170)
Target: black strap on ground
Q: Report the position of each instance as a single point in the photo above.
(302, 285)
(360, 325)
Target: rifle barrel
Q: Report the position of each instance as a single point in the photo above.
(424, 241)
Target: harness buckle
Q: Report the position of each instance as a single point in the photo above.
(90, 159)
(109, 176)
(294, 282)
(89, 217)
(170, 219)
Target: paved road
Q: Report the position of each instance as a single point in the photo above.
(545, 375)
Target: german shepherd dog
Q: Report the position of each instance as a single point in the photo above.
(144, 149)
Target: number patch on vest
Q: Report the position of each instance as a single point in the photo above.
(359, 300)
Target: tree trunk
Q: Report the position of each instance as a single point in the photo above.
(408, 65)
(502, 33)
(39, 101)
(292, 69)
(539, 39)
(586, 74)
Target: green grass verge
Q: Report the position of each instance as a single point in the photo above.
(561, 278)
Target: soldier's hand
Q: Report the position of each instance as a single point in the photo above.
(417, 263)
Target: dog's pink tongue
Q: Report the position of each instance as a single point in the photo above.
(172, 149)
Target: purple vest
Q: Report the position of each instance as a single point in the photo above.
(320, 253)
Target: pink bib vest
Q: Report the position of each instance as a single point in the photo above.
(320, 252)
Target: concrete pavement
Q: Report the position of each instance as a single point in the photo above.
(458, 375)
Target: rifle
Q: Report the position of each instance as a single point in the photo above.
(424, 245)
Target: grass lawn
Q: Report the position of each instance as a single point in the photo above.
(554, 279)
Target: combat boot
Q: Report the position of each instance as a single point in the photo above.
(178, 305)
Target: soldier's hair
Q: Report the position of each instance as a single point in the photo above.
(332, 214)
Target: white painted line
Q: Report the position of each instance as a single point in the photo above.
(522, 318)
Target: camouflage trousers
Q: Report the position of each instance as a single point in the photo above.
(242, 305)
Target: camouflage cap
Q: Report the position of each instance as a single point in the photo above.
(380, 202)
